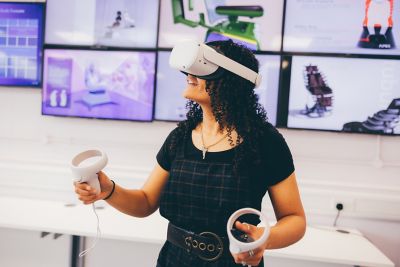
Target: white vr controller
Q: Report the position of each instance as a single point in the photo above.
(236, 246)
(88, 173)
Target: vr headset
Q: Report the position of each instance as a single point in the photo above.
(205, 62)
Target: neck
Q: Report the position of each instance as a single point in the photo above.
(210, 125)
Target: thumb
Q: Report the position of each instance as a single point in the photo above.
(103, 179)
(244, 227)
(105, 183)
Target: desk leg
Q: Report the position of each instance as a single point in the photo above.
(77, 245)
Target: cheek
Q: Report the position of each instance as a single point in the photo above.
(196, 93)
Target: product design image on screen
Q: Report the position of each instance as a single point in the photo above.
(99, 84)
(345, 94)
(342, 26)
(256, 24)
(21, 39)
(171, 105)
(114, 23)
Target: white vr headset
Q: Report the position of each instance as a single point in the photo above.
(203, 61)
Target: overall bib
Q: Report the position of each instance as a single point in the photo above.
(200, 196)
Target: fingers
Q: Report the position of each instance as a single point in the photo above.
(249, 229)
(89, 195)
(248, 259)
(85, 193)
(244, 227)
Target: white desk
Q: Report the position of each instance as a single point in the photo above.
(317, 245)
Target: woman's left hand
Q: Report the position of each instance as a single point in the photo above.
(250, 258)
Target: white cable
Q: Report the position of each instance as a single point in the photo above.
(98, 235)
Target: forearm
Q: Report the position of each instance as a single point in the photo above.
(288, 230)
(130, 201)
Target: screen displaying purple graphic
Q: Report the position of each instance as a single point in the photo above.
(345, 94)
(21, 42)
(170, 104)
(99, 84)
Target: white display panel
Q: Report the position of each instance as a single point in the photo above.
(337, 26)
(267, 32)
(170, 104)
(119, 23)
(360, 90)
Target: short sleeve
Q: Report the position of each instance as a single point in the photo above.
(163, 157)
(277, 159)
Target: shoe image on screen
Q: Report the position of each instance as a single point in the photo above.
(321, 93)
(114, 23)
(171, 105)
(99, 84)
(356, 94)
(378, 25)
(215, 20)
(342, 26)
(385, 121)
(21, 42)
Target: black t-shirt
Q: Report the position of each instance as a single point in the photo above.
(276, 158)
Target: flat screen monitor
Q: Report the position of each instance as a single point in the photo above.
(344, 94)
(99, 84)
(21, 43)
(256, 24)
(343, 26)
(170, 104)
(112, 23)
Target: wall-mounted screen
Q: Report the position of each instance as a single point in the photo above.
(256, 24)
(345, 94)
(99, 84)
(114, 23)
(21, 43)
(343, 26)
(170, 104)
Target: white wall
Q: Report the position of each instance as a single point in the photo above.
(361, 171)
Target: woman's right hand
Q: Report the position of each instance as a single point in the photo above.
(88, 195)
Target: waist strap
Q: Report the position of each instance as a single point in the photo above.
(206, 245)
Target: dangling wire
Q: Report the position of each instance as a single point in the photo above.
(98, 234)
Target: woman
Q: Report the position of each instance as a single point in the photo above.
(223, 157)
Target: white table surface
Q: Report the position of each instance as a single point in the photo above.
(319, 245)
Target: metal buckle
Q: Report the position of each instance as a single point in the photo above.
(188, 242)
(211, 247)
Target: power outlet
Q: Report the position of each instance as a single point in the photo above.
(347, 204)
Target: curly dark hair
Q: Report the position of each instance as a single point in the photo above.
(234, 105)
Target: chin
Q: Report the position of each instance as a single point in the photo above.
(190, 94)
(187, 95)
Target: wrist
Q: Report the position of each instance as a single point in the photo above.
(111, 191)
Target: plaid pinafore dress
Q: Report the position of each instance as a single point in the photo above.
(200, 195)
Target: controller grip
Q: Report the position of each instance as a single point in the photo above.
(93, 182)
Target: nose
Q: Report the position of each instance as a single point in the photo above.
(191, 78)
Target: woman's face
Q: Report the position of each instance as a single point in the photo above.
(196, 90)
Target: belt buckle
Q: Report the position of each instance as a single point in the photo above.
(211, 247)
